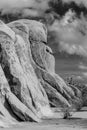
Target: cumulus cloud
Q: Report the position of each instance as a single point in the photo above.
(24, 3)
(70, 34)
(32, 8)
(15, 3)
(73, 49)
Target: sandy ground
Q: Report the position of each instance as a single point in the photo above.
(77, 122)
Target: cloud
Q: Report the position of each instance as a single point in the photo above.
(82, 66)
(76, 1)
(73, 49)
(70, 34)
(70, 41)
(30, 12)
(85, 74)
(32, 8)
(15, 3)
(24, 3)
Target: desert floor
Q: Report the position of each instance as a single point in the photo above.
(77, 122)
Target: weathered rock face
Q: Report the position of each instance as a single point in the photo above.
(40, 55)
(28, 82)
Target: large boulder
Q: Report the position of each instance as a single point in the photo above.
(41, 57)
(29, 85)
(15, 77)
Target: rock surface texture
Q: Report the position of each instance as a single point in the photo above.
(29, 86)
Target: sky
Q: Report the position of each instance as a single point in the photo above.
(72, 42)
(28, 7)
(72, 36)
(28, 3)
(23, 3)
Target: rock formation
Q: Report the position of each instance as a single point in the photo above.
(29, 85)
